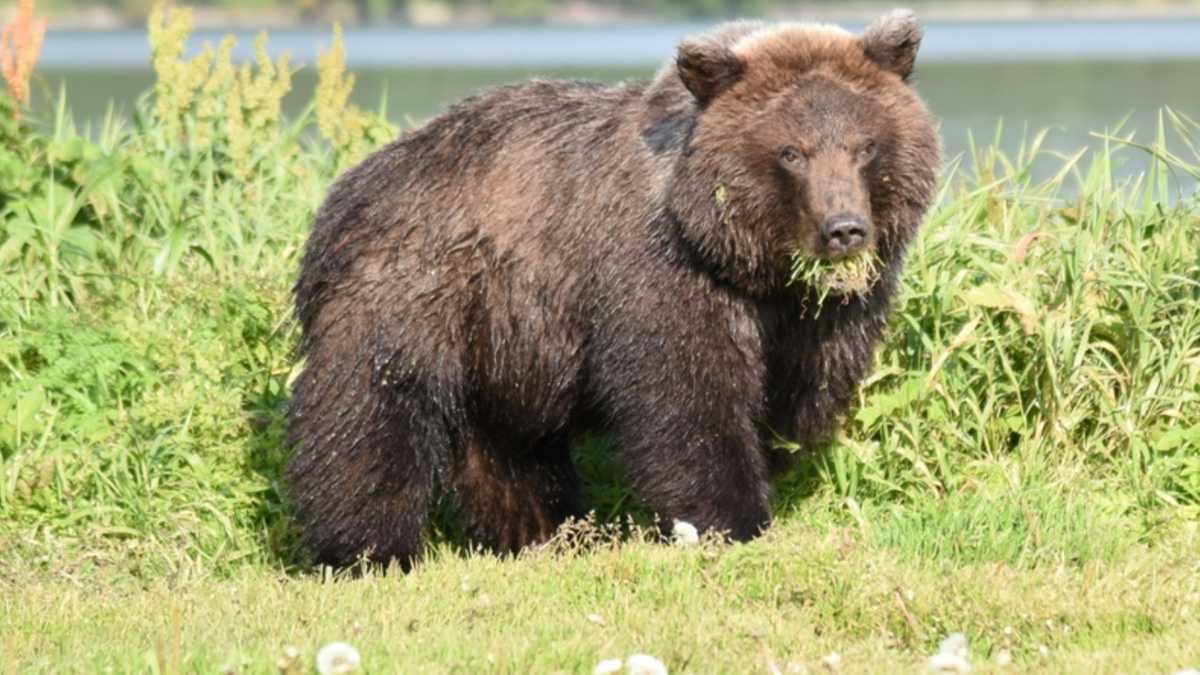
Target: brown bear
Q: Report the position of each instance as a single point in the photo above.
(550, 258)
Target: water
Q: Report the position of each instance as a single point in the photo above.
(1074, 78)
(643, 44)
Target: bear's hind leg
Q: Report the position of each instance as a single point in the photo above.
(509, 498)
(364, 472)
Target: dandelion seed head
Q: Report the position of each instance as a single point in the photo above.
(338, 658)
(684, 534)
(608, 667)
(284, 663)
(1004, 658)
(956, 644)
(944, 662)
(951, 656)
(644, 664)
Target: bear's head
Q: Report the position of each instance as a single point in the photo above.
(797, 143)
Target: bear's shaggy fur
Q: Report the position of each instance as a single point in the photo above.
(549, 258)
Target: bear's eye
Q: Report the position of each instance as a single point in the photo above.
(867, 152)
(790, 155)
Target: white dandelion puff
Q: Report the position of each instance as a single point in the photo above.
(951, 656)
(1004, 658)
(338, 658)
(955, 643)
(684, 534)
(284, 663)
(608, 667)
(832, 662)
(949, 663)
(644, 664)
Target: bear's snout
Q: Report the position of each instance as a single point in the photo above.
(845, 234)
(836, 202)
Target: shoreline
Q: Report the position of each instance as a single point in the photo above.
(632, 44)
(431, 14)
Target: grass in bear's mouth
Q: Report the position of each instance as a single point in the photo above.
(853, 275)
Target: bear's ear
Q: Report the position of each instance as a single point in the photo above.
(892, 41)
(707, 67)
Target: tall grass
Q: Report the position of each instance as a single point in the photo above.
(147, 339)
(1043, 325)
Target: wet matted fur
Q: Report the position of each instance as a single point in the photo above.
(552, 257)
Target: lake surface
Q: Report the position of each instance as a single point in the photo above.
(1073, 77)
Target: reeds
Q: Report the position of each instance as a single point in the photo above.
(1044, 321)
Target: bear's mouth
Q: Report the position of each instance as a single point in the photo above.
(852, 275)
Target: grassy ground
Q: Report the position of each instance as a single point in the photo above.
(805, 590)
(1023, 467)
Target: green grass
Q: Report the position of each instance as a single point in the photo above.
(1023, 466)
(799, 593)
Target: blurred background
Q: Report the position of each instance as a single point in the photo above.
(1072, 68)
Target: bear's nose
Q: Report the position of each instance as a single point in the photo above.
(844, 234)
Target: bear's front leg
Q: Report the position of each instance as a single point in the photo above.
(695, 457)
(684, 392)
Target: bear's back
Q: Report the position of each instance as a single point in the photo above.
(518, 172)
